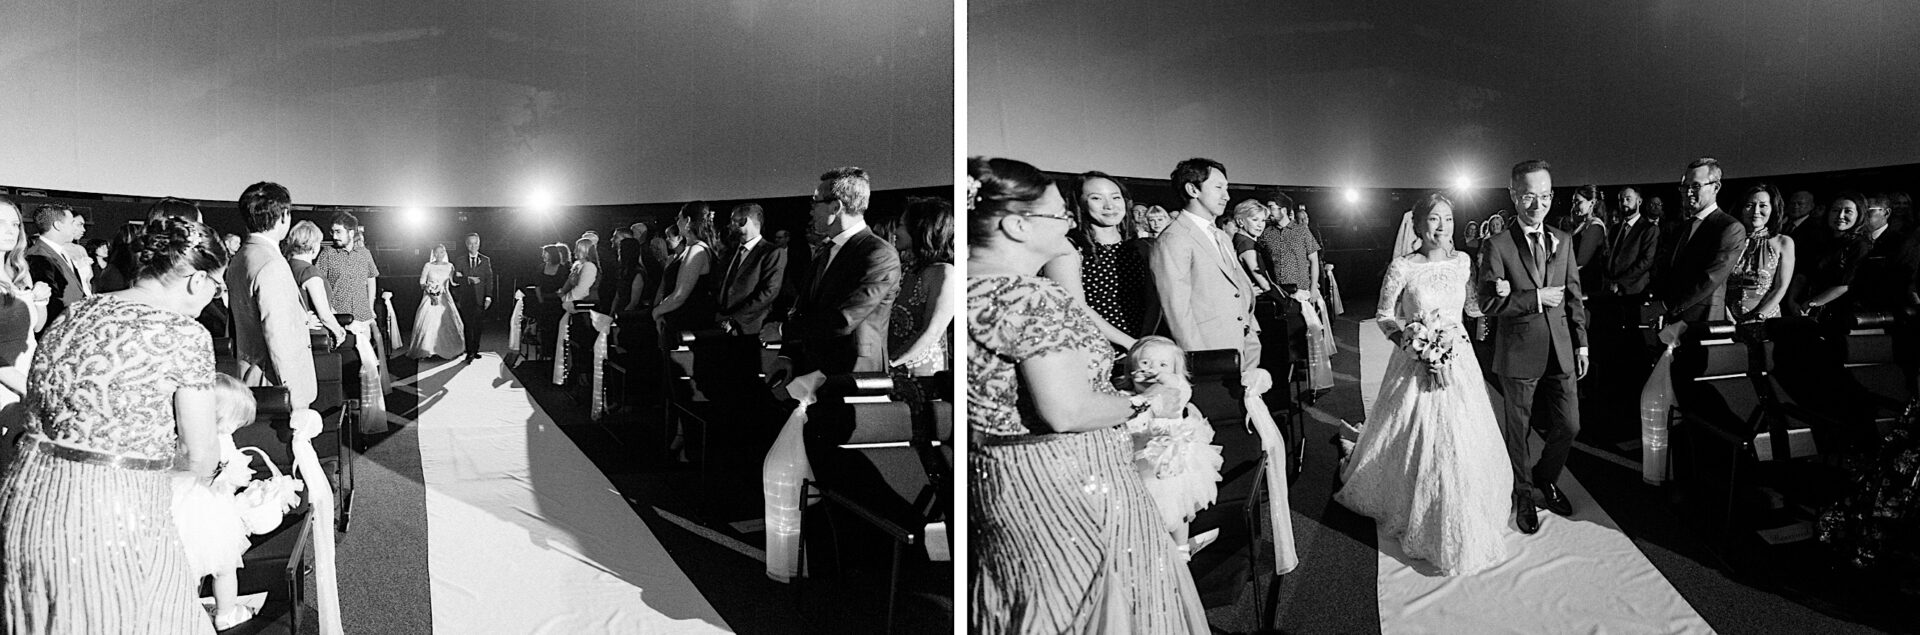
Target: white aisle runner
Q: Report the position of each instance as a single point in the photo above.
(1577, 575)
(524, 534)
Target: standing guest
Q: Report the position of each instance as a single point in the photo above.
(1902, 219)
(1657, 210)
(633, 279)
(1157, 221)
(1108, 274)
(686, 299)
(1053, 555)
(752, 277)
(118, 273)
(50, 262)
(437, 324)
(120, 397)
(1634, 243)
(1249, 223)
(1690, 273)
(1587, 222)
(840, 321)
(929, 292)
(232, 242)
(1205, 296)
(23, 306)
(538, 326)
(1294, 255)
(303, 245)
(472, 287)
(1877, 286)
(171, 207)
(1833, 269)
(583, 280)
(96, 250)
(1759, 282)
(352, 282)
(270, 341)
(1799, 210)
(1138, 214)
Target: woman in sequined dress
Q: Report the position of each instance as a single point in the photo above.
(119, 397)
(919, 331)
(1759, 282)
(1064, 535)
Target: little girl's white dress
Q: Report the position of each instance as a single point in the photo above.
(1177, 459)
(208, 516)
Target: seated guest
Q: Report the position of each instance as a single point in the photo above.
(303, 245)
(1831, 276)
(686, 300)
(50, 262)
(123, 399)
(270, 341)
(929, 290)
(1877, 284)
(1587, 223)
(1759, 282)
(1107, 274)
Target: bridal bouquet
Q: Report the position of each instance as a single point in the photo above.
(1431, 342)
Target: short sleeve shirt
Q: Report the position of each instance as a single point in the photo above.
(1011, 319)
(348, 274)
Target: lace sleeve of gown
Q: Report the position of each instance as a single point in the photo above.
(1473, 288)
(1388, 312)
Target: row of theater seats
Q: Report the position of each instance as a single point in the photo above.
(1770, 407)
(881, 452)
(279, 561)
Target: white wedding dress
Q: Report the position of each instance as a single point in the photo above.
(437, 331)
(1430, 466)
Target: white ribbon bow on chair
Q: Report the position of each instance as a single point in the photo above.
(1274, 446)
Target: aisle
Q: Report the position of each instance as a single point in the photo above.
(1578, 574)
(524, 533)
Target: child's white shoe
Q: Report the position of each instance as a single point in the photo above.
(1196, 543)
(235, 616)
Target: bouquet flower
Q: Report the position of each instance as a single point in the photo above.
(1431, 342)
(1164, 445)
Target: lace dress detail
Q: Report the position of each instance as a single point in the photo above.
(1431, 467)
(1752, 280)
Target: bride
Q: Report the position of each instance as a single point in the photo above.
(437, 331)
(1430, 466)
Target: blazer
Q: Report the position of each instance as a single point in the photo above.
(1525, 332)
(1205, 296)
(471, 294)
(747, 290)
(1630, 263)
(1690, 275)
(269, 324)
(839, 322)
(44, 264)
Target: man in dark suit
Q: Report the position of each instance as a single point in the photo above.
(473, 288)
(839, 322)
(1630, 256)
(50, 258)
(1532, 290)
(752, 276)
(1697, 253)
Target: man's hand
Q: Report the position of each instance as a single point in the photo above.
(1580, 366)
(1552, 296)
(779, 372)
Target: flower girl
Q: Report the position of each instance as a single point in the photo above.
(208, 516)
(1173, 448)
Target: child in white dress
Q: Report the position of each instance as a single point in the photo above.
(1173, 444)
(207, 515)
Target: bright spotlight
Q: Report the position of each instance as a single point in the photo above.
(540, 200)
(1463, 182)
(1353, 195)
(416, 217)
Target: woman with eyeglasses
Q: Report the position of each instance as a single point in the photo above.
(1759, 282)
(121, 397)
(1064, 535)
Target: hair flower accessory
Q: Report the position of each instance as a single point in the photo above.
(973, 191)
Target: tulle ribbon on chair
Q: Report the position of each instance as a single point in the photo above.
(326, 582)
(513, 322)
(1656, 400)
(780, 477)
(1279, 509)
(1333, 292)
(602, 323)
(1319, 340)
(561, 360)
(392, 333)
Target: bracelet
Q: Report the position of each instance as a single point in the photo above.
(1141, 404)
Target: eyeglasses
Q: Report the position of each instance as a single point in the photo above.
(1064, 217)
(1695, 187)
(1528, 200)
(817, 200)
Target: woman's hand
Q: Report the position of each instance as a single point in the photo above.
(42, 293)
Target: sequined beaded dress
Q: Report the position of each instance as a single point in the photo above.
(1064, 536)
(91, 548)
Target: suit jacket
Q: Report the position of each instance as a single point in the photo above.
(839, 322)
(269, 324)
(465, 293)
(747, 290)
(1630, 264)
(1690, 275)
(1205, 295)
(1525, 334)
(45, 264)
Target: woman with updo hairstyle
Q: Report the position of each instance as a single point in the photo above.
(120, 398)
(686, 300)
(1065, 537)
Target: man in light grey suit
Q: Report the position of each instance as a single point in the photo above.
(1206, 296)
(270, 338)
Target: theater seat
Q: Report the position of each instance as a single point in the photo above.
(278, 561)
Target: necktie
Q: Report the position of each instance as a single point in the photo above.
(473, 262)
(733, 269)
(1539, 255)
(820, 258)
(1685, 237)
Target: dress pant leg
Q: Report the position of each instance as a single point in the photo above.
(1556, 416)
(470, 321)
(1516, 413)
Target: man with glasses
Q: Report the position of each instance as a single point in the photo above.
(1697, 253)
(270, 341)
(1204, 293)
(1530, 286)
(840, 317)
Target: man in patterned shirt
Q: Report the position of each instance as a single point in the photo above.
(347, 267)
